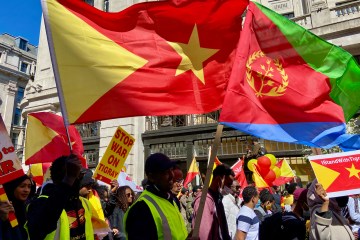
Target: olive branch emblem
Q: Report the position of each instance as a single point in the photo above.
(265, 76)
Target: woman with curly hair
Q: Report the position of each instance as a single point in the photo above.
(124, 198)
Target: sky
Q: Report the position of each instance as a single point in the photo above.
(21, 18)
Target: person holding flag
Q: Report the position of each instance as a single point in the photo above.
(59, 211)
(214, 224)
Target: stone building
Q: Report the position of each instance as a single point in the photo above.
(182, 136)
(17, 68)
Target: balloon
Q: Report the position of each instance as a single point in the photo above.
(270, 177)
(253, 177)
(263, 171)
(264, 162)
(272, 159)
(251, 163)
(277, 171)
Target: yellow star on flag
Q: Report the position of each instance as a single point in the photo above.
(353, 171)
(193, 55)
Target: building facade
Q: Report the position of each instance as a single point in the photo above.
(181, 137)
(17, 68)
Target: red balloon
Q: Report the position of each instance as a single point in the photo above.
(264, 162)
(270, 177)
(263, 171)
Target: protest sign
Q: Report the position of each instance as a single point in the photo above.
(10, 166)
(114, 156)
(338, 172)
(125, 180)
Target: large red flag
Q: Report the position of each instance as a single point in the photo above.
(46, 139)
(153, 58)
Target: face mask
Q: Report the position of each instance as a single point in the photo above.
(268, 207)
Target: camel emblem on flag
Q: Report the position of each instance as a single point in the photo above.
(266, 70)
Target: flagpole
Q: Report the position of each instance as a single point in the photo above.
(55, 69)
(207, 181)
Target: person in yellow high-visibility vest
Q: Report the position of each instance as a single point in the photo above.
(155, 215)
(59, 212)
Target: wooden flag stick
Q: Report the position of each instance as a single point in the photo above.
(207, 181)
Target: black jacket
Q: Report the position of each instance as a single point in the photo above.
(43, 213)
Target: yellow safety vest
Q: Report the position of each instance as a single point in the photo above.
(62, 231)
(168, 220)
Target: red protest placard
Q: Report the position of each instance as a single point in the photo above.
(10, 166)
(339, 173)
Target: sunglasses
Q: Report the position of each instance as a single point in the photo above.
(129, 195)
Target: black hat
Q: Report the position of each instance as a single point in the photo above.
(87, 179)
(158, 162)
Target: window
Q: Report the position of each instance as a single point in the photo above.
(17, 117)
(172, 150)
(305, 6)
(20, 94)
(106, 5)
(92, 157)
(23, 67)
(289, 15)
(14, 139)
(346, 10)
(90, 2)
(23, 44)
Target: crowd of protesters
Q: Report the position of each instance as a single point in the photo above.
(66, 207)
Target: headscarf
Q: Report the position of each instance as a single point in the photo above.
(18, 205)
(12, 185)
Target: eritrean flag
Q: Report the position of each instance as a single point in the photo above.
(153, 58)
(289, 85)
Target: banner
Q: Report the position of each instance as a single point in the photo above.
(125, 180)
(114, 157)
(338, 172)
(10, 166)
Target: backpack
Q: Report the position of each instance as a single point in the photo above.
(271, 227)
(279, 226)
